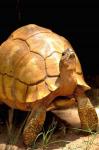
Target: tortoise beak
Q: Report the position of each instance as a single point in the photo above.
(69, 59)
(68, 54)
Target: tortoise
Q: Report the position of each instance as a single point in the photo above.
(40, 72)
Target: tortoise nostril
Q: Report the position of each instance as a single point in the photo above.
(72, 55)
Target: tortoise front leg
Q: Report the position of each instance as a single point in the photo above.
(87, 113)
(34, 124)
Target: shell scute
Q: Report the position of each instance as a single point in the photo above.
(20, 91)
(27, 31)
(52, 64)
(31, 95)
(10, 54)
(31, 69)
(42, 90)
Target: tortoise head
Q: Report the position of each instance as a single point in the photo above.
(67, 69)
(71, 74)
(68, 62)
(68, 59)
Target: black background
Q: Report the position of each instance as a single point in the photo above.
(77, 21)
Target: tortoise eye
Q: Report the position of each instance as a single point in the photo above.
(64, 53)
(68, 51)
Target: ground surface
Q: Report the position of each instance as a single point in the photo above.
(63, 138)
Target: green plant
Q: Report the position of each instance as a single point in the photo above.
(46, 135)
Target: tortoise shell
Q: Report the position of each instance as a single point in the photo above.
(29, 66)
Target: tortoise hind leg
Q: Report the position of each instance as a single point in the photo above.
(87, 113)
(34, 124)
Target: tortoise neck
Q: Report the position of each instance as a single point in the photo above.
(67, 71)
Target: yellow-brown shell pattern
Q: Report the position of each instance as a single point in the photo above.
(29, 64)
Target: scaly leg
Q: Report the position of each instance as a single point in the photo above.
(87, 113)
(34, 124)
